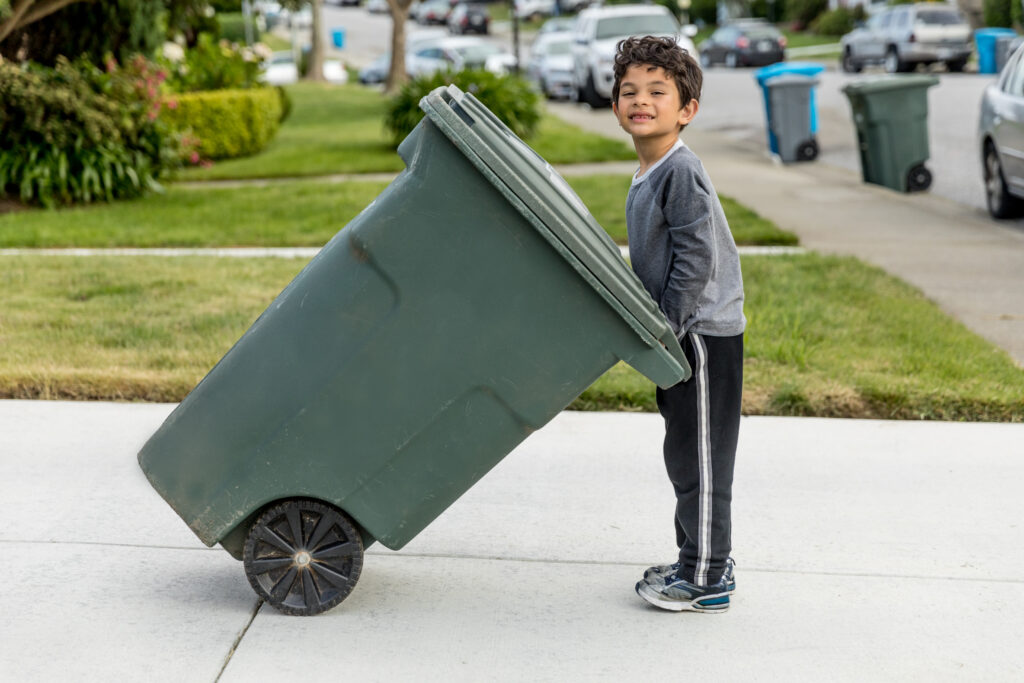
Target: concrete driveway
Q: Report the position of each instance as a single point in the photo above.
(866, 551)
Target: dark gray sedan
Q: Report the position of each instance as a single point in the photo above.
(1001, 140)
(744, 43)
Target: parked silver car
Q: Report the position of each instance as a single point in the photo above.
(903, 36)
(550, 64)
(599, 29)
(1001, 140)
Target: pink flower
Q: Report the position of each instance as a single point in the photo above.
(194, 157)
(171, 104)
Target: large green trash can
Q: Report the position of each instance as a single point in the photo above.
(463, 309)
(891, 117)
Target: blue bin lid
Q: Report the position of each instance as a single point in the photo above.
(782, 68)
(987, 32)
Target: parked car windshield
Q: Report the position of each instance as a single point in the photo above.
(757, 32)
(477, 53)
(940, 17)
(561, 47)
(613, 27)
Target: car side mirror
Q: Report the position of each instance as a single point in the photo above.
(690, 30)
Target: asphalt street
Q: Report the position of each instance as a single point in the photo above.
(732, 105)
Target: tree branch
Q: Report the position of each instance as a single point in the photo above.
(21, 16)
(10, 23)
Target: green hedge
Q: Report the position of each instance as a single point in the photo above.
(232, 27)
(228, 123)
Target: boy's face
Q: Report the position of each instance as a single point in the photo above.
(648, 106)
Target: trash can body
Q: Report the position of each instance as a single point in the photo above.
(460, 311)
(1003, 50)
(985, 42)
(763, 75)
(338, 38)
(891, 117)
(790, 120)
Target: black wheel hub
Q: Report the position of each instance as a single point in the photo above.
(303, 556)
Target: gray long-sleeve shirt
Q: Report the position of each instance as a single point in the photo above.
(682, 249)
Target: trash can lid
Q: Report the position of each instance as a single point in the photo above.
(544, 198)
(780, 68)
(994, 31)
(886, 83)
(791, 80)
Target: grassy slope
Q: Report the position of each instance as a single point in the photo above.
(827, 336)
(284, 214)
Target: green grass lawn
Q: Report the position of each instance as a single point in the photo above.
(827, 336)
(284, 214)
(339, 129)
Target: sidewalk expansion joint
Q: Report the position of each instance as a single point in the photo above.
(745, 569)
(105, 544)
(238, 640)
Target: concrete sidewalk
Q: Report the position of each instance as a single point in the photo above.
(970, 265)
(866, 551)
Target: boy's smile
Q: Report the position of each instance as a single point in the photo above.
(648, 108)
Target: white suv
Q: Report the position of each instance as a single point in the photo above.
(599, 29)
(904, 36)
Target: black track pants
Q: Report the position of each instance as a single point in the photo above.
(702, 422)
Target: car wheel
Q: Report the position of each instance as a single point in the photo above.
(957, 65)
(1001, 204)
(893, 63)
(705, 60)
(849, 64)
(590, 94)
(730, 60)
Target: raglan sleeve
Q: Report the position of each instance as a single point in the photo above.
(688, 211)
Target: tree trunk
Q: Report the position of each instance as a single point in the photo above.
(316, 49)
(396, 73)
(24, 12)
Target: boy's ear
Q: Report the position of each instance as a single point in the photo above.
(687, 113)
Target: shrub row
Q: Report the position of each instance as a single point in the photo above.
(77, 133)
(227, 123)
(509, 97)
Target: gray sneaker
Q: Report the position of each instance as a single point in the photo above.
(656, 575)
(679, 595)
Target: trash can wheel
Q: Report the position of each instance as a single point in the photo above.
(807, 151)
(919, 179)
(303, 556)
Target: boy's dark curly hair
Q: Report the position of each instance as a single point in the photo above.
(663, 52)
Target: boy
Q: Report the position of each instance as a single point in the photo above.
(683, 252)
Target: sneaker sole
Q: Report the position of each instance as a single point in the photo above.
(652, 577)
(709, 604)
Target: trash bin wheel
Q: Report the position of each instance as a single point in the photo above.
(303, 556)
(807, 151)
(919, 179)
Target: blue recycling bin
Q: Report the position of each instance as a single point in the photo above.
(338, 35)
(782, 69)
(985, 41)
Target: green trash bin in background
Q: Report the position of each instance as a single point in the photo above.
(462, 310)
(891, 117)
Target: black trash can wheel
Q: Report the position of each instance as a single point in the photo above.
(807, 151)
(303, 556)
(919, 179)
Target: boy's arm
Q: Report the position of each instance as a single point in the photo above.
(688, 211)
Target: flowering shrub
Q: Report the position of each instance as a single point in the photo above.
(77, 133)
(213, 65)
